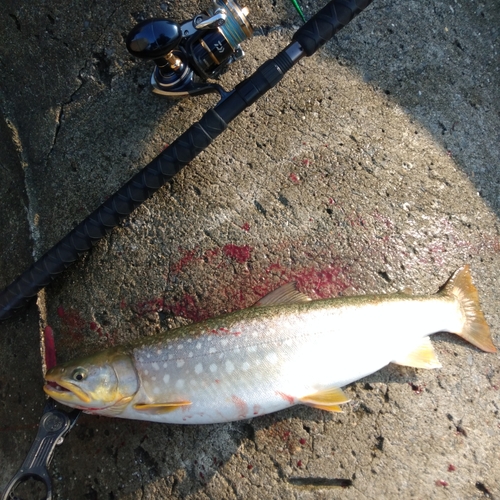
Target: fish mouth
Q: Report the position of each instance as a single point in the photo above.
(64, 391)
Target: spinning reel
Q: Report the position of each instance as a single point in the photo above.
(186, 55)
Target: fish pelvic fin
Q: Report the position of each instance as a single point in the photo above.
(328, 400)
(423, 356)
(475, 330)
(160, 408)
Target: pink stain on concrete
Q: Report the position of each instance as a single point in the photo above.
(238, 253)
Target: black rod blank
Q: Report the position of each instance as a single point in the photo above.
(306, 41)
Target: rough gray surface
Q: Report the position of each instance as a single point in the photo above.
(373, 166)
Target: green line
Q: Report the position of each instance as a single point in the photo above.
(299, 10)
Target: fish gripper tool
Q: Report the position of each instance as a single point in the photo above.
(53, 427)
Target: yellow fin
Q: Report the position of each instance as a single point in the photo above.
(476, 330)
(117, 408)
(157, 408)
(328, 400)
(423, 356)
(332, 408)
(285, 294)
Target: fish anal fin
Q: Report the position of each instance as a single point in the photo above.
(423, 356)
(332, 408)
(328, 399)
(159, 408)
(285, 294)
(475, 330)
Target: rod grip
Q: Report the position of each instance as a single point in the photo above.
(328, 21)
(121, 204)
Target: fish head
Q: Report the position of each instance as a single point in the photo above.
(94, 383)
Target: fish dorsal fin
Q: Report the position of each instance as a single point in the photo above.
(158, 408)
(285, 294)
(423, 356)
(328, 400)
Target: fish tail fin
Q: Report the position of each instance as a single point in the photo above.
(475, 330)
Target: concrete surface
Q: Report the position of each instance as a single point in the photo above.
(373, 166)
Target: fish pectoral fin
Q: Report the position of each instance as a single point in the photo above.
(423, 356)
(328, 400)
(285, 294)
(158, 408)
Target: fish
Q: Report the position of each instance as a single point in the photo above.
(284, 350)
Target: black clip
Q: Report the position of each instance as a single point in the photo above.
(54, 425)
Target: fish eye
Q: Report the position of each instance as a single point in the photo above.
(79, 374)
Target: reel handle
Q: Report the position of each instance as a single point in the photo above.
(153, 38)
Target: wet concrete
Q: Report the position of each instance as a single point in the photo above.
(372, 167)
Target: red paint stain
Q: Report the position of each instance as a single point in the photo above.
(188, 257)
(294, 178)
(72, 324)
(238, 253)
(246, 227)
(299, 463)
(93, 326)
(188, 308)
(441, 482)
(249, 466)
(451, 468)
(50, 347)
(302, 441)
(256, 409)
(149, 306)
(306, 161)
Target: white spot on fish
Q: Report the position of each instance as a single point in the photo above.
(148, 355)
(213, 367)
(166, 378)
(146, 372)
(229, 367)
(288, 342)
(272, 358)
(212, 350)
(155, 366)
(159, 351)
(170, 356)
(252, 348)
(180, 362)
(165, 365)
(156, 390)
(245, 366)
(180, 346)
(224, 342)
(141, 360)
(237, 350)
(189, 341)
(198, 368)
(179, 384)
(190, 355)
(170, 346)
(198, 345)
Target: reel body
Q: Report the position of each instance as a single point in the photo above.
(188, 54)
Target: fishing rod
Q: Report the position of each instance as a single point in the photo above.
(183, 55)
